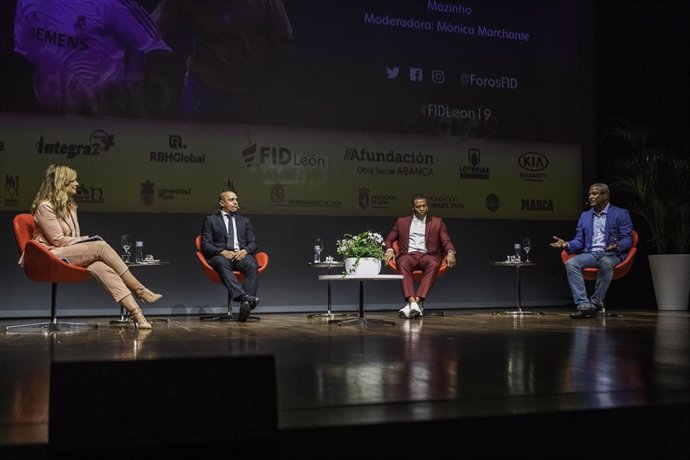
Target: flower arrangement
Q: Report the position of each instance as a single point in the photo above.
(366, 244)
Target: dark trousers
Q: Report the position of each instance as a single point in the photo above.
(247, 266)
(428, 264)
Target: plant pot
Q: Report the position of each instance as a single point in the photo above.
(671, 279)
(363, 266)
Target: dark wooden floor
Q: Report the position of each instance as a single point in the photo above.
(467, 368)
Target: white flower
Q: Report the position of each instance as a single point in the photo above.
(365, 244)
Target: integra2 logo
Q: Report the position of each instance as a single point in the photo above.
(99, 142)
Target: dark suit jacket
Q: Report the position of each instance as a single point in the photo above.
(437, 241)
(618, 225)
(214, 236)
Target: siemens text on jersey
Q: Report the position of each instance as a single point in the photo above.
(59, 39)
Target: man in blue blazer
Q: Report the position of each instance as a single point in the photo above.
(228, 243)
(603, 238)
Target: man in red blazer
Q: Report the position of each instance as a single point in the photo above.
(423, 242)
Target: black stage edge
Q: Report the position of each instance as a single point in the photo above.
(161, 400)
(652, 432)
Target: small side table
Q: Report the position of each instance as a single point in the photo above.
(125, 319)
(518, 266)
(361, 320)
(328, 266)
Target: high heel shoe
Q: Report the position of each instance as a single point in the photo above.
(147, 295)
(140, 319)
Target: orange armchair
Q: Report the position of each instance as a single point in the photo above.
(213, 276)
(619, 271)
(43, 266)
(417, 274)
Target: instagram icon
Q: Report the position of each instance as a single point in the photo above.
(438, 76)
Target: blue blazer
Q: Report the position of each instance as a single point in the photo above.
(214, 237)
(618, 225)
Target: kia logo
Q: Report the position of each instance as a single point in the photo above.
(533, 161)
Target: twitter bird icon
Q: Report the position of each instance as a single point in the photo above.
(392, 72)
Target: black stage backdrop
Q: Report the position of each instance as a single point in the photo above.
(569, 100)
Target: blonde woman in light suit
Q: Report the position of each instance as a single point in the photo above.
(57, 228)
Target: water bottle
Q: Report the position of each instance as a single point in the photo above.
(139, 251)
(318, 247)
(518, 252)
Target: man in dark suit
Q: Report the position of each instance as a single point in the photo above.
(228, 243)
(423, 242)
(603, 237)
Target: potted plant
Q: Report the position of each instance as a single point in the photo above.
(362, 253)
(656, 183)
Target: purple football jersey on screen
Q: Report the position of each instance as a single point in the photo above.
(80, 48)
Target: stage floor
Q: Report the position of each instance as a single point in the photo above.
(466, 364)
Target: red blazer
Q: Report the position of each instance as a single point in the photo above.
(437, 241)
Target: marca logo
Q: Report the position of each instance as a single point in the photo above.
(533, 161)
(535, 204)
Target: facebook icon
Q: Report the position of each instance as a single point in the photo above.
(415, 74)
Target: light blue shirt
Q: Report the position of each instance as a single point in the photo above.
(599, 231)
(417, 235)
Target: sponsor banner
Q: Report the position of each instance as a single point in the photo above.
(155, 166)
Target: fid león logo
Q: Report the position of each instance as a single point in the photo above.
(278, 156)
(249, 152)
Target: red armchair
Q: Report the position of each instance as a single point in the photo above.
(213, 276)
(41, 265)
(619, 271)
(417, 274)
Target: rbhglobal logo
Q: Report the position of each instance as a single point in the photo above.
(99, 142)
(176, 152)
